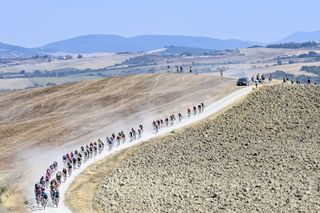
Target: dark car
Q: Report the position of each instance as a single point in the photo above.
(243, 82)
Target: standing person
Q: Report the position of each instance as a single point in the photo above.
(257, 82)
(309, 81)
(284, 80)
(190, 69)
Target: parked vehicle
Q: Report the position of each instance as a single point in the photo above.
(243, 81)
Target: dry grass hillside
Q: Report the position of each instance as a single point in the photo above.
(60, 114)
(260, 156)
(37, 126)
(92, 61)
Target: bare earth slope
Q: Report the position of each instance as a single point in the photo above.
(57, 115)
(37, 126)
(262, 155)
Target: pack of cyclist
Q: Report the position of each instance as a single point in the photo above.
(71, 161)
(115, 140)
(170, 120)
(74, 159)
(43, 184)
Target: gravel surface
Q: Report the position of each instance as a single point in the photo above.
(260, 156)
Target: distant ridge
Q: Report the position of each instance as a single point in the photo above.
(11, 51)
(114, 43)
(301, 37)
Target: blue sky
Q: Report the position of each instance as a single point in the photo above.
(33, 23)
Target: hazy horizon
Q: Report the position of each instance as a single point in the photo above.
(34, 23)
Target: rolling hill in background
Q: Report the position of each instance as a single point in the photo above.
(11, 51)
(301, 37)
(114, 43)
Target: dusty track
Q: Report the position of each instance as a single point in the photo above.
(259, 156)
(38, 124)
(79, 200)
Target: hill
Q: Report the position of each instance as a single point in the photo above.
(260, 156)
(116, 44)
(113, 43)
(89, 44)
(11, 51)
(300, 37)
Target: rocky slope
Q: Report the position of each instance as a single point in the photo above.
(261, 155)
